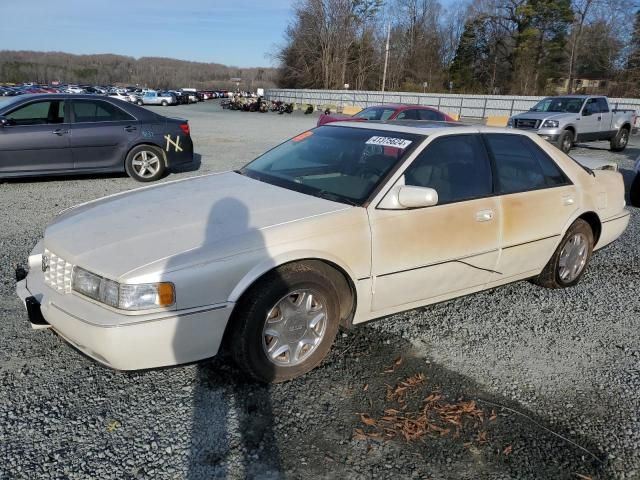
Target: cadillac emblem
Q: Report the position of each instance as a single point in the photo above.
(45, 263)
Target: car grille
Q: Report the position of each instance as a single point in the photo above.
(526, 123)
(57, 272)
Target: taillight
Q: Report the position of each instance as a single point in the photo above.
(185, 128)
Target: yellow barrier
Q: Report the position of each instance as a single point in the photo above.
(497, 120)
(455, 116)
(350, 110)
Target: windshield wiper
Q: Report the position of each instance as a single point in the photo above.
(335, 197)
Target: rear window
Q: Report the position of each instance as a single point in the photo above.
(375, 113)
(86, 111)
(342, 164)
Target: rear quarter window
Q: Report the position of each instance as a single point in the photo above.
(521, 165)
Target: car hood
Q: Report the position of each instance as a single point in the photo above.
(119, 234)
(543, 115)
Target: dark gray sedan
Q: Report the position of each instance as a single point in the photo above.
(51, 134)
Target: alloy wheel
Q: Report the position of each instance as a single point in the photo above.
(294, 327)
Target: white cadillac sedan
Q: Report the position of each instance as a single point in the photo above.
(337, 226)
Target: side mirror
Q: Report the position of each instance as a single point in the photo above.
(586, 112)
(4, 121)
(417, 197)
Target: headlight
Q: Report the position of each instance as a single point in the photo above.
(126, 297)
(146, 295)
(510, 123)
(551, 124)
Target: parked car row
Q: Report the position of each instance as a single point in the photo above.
(138, 95)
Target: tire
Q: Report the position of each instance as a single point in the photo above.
(554, 275)
(145, 163)
(139, 102)
(164, 103)
(248, 341)
(620, 141)
(565, 142)
(634, 193)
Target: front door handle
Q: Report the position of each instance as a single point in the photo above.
(484, 215)
(60, 131)
(130, 128)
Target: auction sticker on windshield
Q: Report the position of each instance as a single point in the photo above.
(389, 142)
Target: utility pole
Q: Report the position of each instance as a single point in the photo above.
(386, 57)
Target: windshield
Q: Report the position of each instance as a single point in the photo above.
(559, 104)
(375, 113)
(335, 163)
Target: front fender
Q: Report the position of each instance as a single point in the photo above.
(287, 257)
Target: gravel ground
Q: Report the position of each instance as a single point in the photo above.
(555, 375)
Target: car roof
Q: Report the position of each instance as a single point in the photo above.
(427, 127)
(576, 96)
(401, 106)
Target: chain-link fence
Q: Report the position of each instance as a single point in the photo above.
(470, 106)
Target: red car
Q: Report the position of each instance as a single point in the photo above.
(389, 112)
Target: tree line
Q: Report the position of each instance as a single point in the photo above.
(152, 72)
(523, 47)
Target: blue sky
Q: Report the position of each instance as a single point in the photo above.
(240, 32)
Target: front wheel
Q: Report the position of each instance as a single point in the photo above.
(565, 142)
(285, 325)
(139, 102)
(145, 163)
(568, 263)
(620, 141)
(164, 103)
(634, 193)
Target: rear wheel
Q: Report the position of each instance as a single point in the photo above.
(620, 141)
(634, 193)
(164, 103)
(565, 142)
(285, 325)
(568, 263)
(145, 163)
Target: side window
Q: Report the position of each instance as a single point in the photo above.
(603, 107)
(553, 176)
(86, 111)
(408, 115)
(38, 113)
(456, 166)
(430, 115)
(521, 165)
(591, 106)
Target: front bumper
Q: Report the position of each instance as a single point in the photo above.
(119, 341)
(549, 134)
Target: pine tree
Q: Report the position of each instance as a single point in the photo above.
(633, 61)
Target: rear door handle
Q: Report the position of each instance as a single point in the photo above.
(60, 131)
(130, 128)
(484, 215)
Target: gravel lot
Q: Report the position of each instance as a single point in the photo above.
(559, 369)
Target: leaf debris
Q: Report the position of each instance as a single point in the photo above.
(434, 417)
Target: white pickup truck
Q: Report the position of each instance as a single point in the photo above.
(569, 119)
